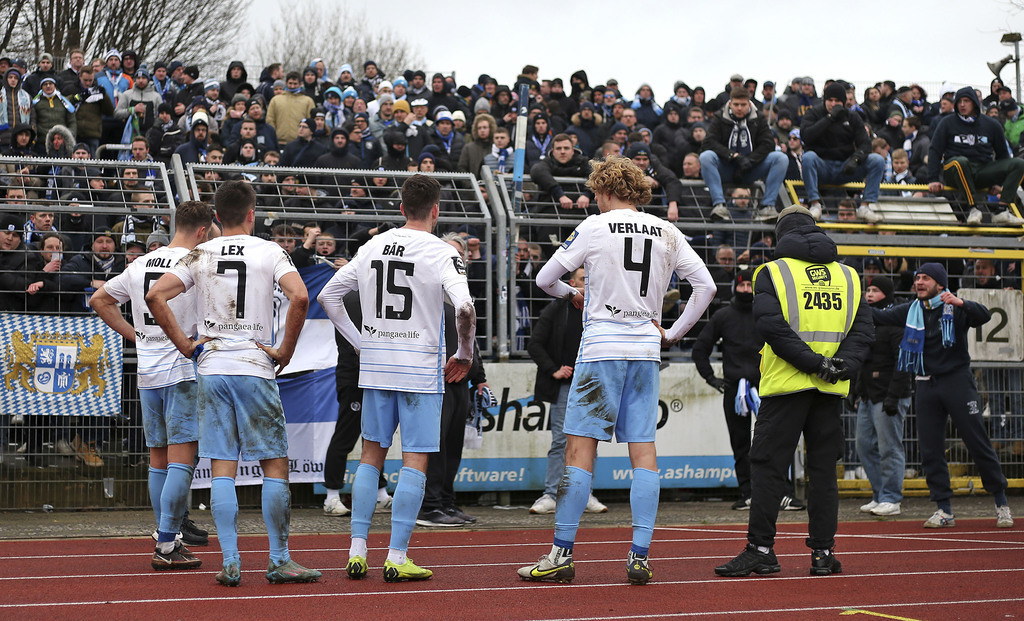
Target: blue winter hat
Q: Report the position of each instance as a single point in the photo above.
(334, 90)
(349, 92)
(345, 67)
(638, 148)
(936, 271)
(400, 81)
(426, 155)
(616, 127)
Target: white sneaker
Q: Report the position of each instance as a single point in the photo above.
(384, 502)
(861, 473)
(720, 212)
(849, 475)
(1003, 517)
(815, 209)
(595, 506)
(868, 212)
(869, 507)
(1005, 217)
(64, 447)
(767, 214)
(18, 419)
(910, 473)
(940, 519)
(886, 508)
(974, 217)
(335, 508)
(544, 504)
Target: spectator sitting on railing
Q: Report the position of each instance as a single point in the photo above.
(739, 145)
(665, 185)
(139, 102)
(85, 272)
(795, 152)
(838, 151)
(970, 149)
(563, 161)
(303, 151)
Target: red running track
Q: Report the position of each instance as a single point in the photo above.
(893, 570)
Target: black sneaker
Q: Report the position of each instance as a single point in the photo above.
(824, 563)
(743, 504)
(439, 518)
(462, 515)
(192, 535)
(178, 558)
(750, 561)
(789, 503)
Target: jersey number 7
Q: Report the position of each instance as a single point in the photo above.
(238, 266)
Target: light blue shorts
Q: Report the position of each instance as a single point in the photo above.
(169, 414)
(241, 415)
(619, 395)
(418, 413)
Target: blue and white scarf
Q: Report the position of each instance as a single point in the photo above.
(911, 356)
(70, 107)
(747, 400)
(23, 106)
(502, 155)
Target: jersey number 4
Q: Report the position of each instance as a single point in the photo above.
(386, 280)
(643, 266)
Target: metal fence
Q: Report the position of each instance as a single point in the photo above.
(41, 461)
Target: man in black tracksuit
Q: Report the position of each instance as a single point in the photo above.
(970, 150)
(733, 326)
(815, 340)
(945, 389)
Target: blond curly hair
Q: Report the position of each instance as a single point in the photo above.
(620, 177)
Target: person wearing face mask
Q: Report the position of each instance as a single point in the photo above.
(884, 394)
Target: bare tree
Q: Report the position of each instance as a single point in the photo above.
(336, 33)
(196, 32)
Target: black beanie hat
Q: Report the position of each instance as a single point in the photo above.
(936, 271)
(743, 276)
(835, 90)
(884, 284)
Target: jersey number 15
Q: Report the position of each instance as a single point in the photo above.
(386, 281)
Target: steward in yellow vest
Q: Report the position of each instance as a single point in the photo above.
(817, 334)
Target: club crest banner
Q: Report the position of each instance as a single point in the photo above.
(68, 366)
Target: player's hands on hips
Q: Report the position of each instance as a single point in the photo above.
(195, 347)
(949, 298)
(281, 359)
(664, 339)
(456, 369)
(577, 300)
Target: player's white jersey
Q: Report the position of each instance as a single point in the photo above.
(160, 362)
(234, 279)
(402, 276)
(629, 257)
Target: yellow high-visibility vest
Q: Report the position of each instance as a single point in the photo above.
(819, 302)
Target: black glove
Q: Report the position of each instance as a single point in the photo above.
(839, 113)
(743, 165)
(891, 406)
(850, 166)
(718, 383)
(840, 365)
(828, 371)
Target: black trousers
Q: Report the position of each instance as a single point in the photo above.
(953, 396)
(776, 433)
(346, 433)
(739, 439)
(443, 466)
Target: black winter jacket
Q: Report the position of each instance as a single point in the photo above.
(981, 141)
(733, 327)
(834, 138)
(554, 343)
(722, 124)
(878, 377)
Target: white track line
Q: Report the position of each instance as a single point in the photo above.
(492, 589)
(511, 565)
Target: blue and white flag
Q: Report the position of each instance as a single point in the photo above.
(69, 366)
(316, 348)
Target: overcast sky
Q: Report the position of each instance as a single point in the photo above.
(703, 43)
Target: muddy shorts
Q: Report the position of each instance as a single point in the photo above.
(619, 395)
(241, 415)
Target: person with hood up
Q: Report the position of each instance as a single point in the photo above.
(934, 349)
(586, 124)
(739, 147)
(59, 142)
(838, 150)
(884, 394)
(313, 87)
(303, 151)
(334, 115)
(648, 112)
(236, 77)
(141, 102)
(970, 150)
(396, 150)
(808, 309)
(15, 105)
(538, 139)
(479, 146)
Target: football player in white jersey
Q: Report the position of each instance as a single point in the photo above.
(167, 380)
(240, 412)
(402, 277)
(629, 257)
